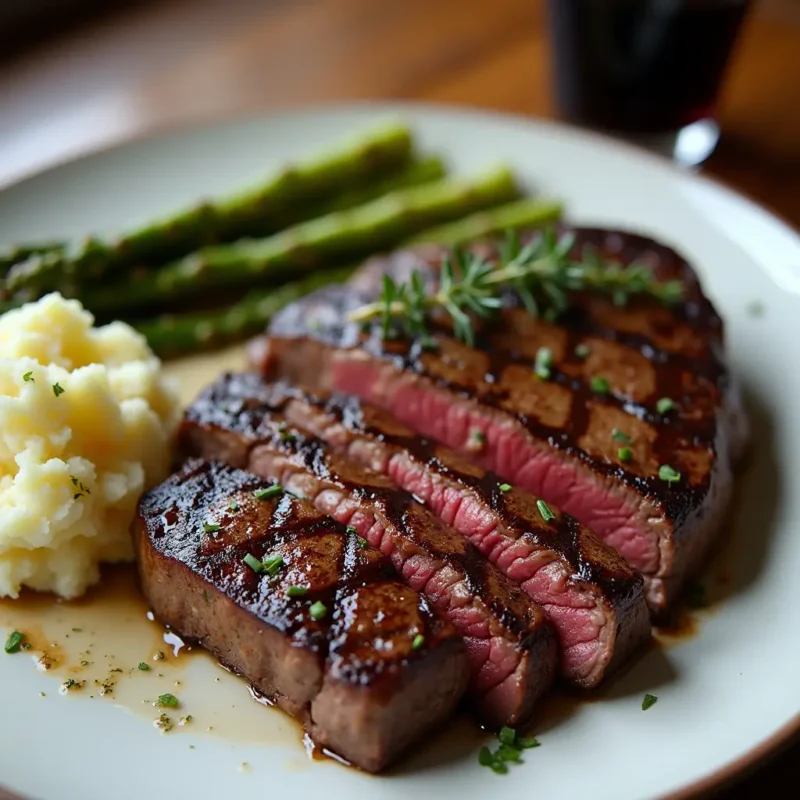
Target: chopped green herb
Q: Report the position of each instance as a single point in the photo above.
(269, 492)
(649, 701)
(543, 365)
(664, 405)
(28, 377)
(57, 389)
(477, 436)
(498, 766)
(546, 513)
(504, 487)
(625, 454)
(271, 564)
(14, 642)
(285, 434)
(508, 753)
(211, 527)
(485, 757)
(620, 436)
(507, 735)
(318, 611)
(296, 591)
(668, 474)
(362, 543)
(168, 701)
(527, 742)
(351, 529)
(253, 563)
(144, 666)
(417, 641)
(233, 506)
(599, 385)
(582, 351)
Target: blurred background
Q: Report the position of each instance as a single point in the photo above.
(79, 74)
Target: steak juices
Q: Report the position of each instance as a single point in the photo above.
(514, 515)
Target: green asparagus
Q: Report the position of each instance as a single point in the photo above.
(172, 335)
(523, 213)
(300, 191)
(9, 256)
(335, 238)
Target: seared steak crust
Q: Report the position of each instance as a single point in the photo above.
(594, 599)
(555, 436)
(367, 678)
(512, 647)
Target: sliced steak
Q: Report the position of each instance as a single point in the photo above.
(368, 672)
(594, 599)
(554, 437)
(512, 646)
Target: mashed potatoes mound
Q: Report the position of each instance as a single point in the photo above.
(86, 422)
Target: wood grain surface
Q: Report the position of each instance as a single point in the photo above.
(155, 65)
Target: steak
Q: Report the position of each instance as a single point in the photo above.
(511, 645)
(328, 634)
(594, 599)
(559, 437)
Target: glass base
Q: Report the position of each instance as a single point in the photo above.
(689, 147)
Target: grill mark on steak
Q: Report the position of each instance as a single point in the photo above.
(592, 596)
(512, 647)
(554, 437)
(354, 677)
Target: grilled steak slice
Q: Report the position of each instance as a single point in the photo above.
(594, 599)
(367, 674)
(511, 645)
(556, 437)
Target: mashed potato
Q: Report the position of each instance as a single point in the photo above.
(86, 421)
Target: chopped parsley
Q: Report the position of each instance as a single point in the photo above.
(285, 434)
(212, 527)
(80, 487)
(351, 529)
(582, 351)
(253, 563)
(271, 564)
(664, 405)
(668, 474)
(318, 611)
(417, 641)
(57, 389)
(362, 543)
(509, 750)
(504, 487)
(545, 511)
(168, 701)
(144, 666)
(620, 436)
(543, 365)
(28, 377)
(599, 385)
(296, 591)
(269, 492)
(625, 454)
(649, 701)
(14, 642)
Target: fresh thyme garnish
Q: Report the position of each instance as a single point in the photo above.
(541, 273)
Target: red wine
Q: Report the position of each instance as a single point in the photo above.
(641, 66)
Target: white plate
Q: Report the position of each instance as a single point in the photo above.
(725, 695)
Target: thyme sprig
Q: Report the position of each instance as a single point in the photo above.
(542, 273)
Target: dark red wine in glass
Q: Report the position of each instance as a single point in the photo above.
(647, 69)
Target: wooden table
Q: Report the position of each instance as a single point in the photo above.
(165, 63)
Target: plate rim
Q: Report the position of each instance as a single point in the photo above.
(783, 737)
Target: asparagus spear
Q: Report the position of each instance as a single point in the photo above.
(335, 238)
(295, 193)
(174, 335)
(21, 252)
(523, 213)
(171, 335)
